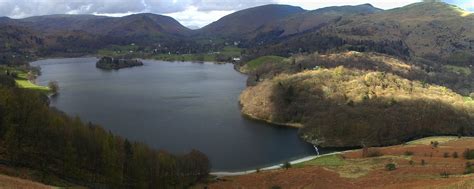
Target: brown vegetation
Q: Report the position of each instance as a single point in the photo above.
(359, 172)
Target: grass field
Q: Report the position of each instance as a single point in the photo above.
(23, 82)
(330, 160)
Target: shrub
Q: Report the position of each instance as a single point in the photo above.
(434, 144)
(286, 165)
(276, 187)
(468, 169)
(472, 95)
(372, 152)
(455, 155)
(53, 86)
(468, 154)
(444, 174)
(446, 154)
(423, 162)
(390, 167)
(411, 162)
(409, 153)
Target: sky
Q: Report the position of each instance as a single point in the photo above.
(191, 13)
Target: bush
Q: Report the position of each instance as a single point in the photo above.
(468, 154)
(455, 155)
(423, 162)
(409, 153)
(390, 167)
(411, 162)
(444, 174)
(446, 154)
(434, 144)
(468, 169)
(472, 96)
(286, 165)
(371, 152)
(53, 86)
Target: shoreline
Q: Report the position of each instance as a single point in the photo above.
(289, 125)
(275, 167)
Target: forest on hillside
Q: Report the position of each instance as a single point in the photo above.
(342, 107)
(64, 151)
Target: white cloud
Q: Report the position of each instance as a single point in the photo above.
(193, 18)
(192, 13)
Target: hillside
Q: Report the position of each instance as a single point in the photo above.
(43, 144)
(341, 107)
(238, 24)
(311, 20)
(101, 25)
(416, 164)
(431, 31)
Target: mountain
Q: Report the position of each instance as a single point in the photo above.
(432, 31)
(427, 29)
(312, 20)
(242, 22)
(85, 34)
(100, 25)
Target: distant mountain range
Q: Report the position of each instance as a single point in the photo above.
(431, 31)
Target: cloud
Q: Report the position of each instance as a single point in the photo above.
(227, 5)
(193, 18)
(193, 13)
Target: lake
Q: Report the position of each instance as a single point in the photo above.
(174, 106)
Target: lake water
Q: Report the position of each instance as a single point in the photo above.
(175, 106)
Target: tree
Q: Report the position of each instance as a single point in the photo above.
(53, 86)
(455, 155)
(286, 165)
(390, 167)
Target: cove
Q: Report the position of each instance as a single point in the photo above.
(173, 106)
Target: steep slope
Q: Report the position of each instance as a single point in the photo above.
(18, 44)
(100, 25)
(342, 107)
(73, 35)
(426, 28)
(237, 24)
(430, 30)
(312, 20)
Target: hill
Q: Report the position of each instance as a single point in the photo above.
(311, 20)
(426, 30)
(341, 107)
(136, 24)
(56, 149)
(73, 35)
(417, 164)
(238, 24)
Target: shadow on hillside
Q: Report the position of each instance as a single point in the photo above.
(374, 121)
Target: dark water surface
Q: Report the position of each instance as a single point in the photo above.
(175, 106)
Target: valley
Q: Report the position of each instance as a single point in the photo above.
(258, 87)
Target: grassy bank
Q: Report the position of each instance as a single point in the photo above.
(416, 164)
(23, 82)
(20, 74)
